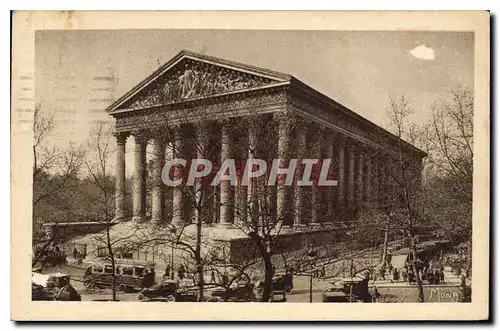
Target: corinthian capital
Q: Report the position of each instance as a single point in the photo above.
(121, 137)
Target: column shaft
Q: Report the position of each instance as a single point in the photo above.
(203, 195)
(383, 187)
(368, 179)
(341, 187)
(301, 137)
(283, 194)
(178, 214)
(226, 191)
(351, 186)
(359, 181)
(252, 201)
(120, 191)
(329, 191)
(139, 203)
(315, 204)
(158, 190)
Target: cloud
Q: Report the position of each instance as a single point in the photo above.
(423, 52)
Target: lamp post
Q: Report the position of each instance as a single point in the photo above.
(311, 254)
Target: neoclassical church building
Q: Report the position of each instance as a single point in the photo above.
(197, 103)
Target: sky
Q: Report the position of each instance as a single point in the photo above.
(357, 69)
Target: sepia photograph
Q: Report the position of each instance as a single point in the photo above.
(221, 168)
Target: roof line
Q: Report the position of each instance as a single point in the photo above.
(306, 88)
(201, 57)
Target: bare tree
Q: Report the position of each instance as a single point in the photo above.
(450, 192)
(55, 173)
(101, 200)
(406, 177)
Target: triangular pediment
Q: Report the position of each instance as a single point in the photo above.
(191, 76)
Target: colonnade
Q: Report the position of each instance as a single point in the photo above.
(359, 169)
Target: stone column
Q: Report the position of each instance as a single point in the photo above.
(359, 181)
(158, 192)
(329, 191)
(252, 201)
(383, 187)
(203, 193)
(316, 207)
(350, 185)
(240, 152)
(301, 137)
(375, 181)
(368, 179)
(342, 178)
(139, 202)
(284, 192)
(226, 191)
(121, 142)
(178, 214)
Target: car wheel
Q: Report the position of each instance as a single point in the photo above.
(170, 298)
(123, 288)
(288, 289)
(140, 297)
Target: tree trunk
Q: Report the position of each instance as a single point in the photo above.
(415, 269)
(268, 266)
(199, 265)
(112, 257)
(268, 277)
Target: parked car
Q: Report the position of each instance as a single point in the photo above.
(278, 296)
(242, 291)
(349, 289)
(130, 275)
(53, 287)
(281, 282)
(41, 293)
(168, 290)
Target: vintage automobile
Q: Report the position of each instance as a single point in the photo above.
(130, 275)
(241, 291)
(278, 296)
(169, 291)
(53, 287)
(41, 293)
(349, 289)
(281, 282)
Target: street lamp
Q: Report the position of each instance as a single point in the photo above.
(311, 254)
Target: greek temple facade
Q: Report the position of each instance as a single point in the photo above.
(195, 105)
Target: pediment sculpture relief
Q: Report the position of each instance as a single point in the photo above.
(194, 80)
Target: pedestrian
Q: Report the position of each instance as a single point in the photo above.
(212, 277)
(410, 277)
(181, 272)
(437, 277)
(396, 275)
(390, 268)
(323, 271)
(382, 272)
(374, 293)
(75, 253)
(225, 279)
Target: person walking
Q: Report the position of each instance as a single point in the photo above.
(382, 272)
